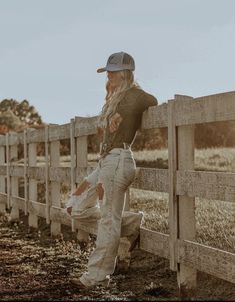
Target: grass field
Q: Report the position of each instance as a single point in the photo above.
(215, 220)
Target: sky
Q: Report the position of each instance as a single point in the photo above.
(50, 50)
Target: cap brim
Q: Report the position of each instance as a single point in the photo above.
(101, 70)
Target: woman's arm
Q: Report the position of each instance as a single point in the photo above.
(82, 187)
(114, 122)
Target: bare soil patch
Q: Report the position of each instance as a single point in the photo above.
(36, 267)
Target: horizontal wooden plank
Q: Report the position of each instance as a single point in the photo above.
(60, 174)
(3, 197)
(37, 208)
(2, 140)
(85, 125)
(37, 173)
(146, 178)
(3, 170)
(18, 202)
(212, 108)
(155, 117)
(35, 135)
(15, 138)
(151, 179)
(154, 242)
(210, 185)
(17, 171)
(213, 261)
(59, 215)
(59, 132)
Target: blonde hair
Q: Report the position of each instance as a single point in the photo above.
(113, 97)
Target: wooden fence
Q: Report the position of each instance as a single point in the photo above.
(180, 181)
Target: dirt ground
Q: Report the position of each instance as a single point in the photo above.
(36, 267)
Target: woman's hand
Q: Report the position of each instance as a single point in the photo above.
(114, 122)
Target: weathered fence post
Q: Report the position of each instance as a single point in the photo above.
(55, 186)
(47, 174)
(2, 179)
(186, 276)
(73, 162)
(25, 173)
(81, 159)
(8, 171)
(72, 155)
(173, 201)
(13, 153)
(32, 161)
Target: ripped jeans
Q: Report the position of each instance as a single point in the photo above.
(116, 171)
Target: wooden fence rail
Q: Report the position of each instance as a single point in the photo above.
(180, 181)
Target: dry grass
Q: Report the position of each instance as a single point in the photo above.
(214, 219)
(215, 159)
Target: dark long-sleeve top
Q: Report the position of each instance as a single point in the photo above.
(131, 107)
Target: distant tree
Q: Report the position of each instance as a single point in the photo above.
(16, 115)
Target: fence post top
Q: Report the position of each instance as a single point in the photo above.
(182, 97)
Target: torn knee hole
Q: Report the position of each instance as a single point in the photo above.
(100, 191)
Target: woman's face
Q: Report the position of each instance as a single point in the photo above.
(115, 78)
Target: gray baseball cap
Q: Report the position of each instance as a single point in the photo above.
(119, 61)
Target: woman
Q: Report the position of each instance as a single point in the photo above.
(119, 120)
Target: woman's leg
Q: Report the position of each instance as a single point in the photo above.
(103, 259)
(84, 206)
(115, 177)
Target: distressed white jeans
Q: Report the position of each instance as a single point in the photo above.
(116, 172)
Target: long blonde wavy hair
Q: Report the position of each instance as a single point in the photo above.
(113, 97)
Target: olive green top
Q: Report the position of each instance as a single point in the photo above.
(131, 107)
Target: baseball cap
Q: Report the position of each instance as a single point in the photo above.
(119, 61)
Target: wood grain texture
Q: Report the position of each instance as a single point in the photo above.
(60, 174)
(33, 192)
(59, 132)
(155, 117)
(3, 170)
(173, 201)
(212, 108)
(210, 185)
(18, 202)
(55, 182)
(16, 171)
(36, 173)
(186, 275)
(213, 261)
(3, 198)
(35, 135)
(2, 140)
(154, 242)
(37, 208)
(85, 126)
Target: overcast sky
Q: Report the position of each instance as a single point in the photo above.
(50, 50)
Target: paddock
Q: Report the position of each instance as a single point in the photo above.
(180, 181)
